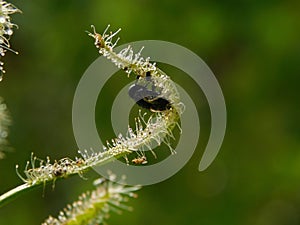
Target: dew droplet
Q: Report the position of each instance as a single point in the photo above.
(9, 32)
(2, 19)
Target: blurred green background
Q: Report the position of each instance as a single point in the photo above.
(252, 47)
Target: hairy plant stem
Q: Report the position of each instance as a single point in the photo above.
(23, 188)
(156, 128)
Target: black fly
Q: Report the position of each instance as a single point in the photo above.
(148, 99)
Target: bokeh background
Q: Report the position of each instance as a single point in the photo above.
(252, 47)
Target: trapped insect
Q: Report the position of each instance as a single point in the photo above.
(140, 160)
(148, 99)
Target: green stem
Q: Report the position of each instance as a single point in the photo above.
(13, 193)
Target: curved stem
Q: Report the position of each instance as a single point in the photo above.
(13, 193)
(41, 172)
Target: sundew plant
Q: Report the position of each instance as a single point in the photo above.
(6, 31)
(153, 90)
